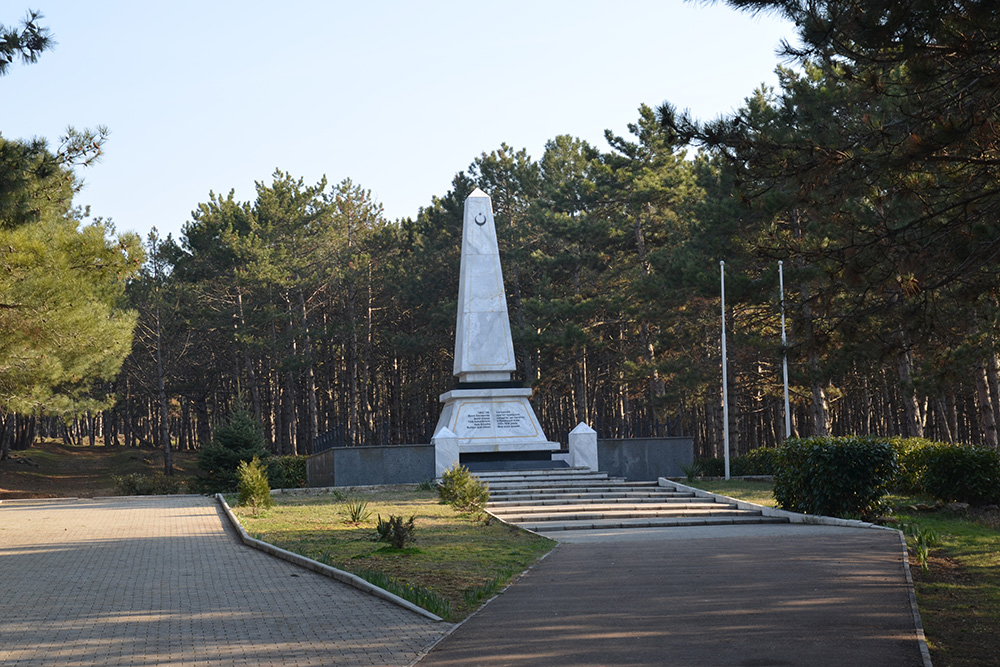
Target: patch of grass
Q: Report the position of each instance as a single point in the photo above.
(753, 491)
(418, 595)
(958, 592)
(457, 553)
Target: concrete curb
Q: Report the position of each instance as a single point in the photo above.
(815, 519)
(793, 517)
(320, 568)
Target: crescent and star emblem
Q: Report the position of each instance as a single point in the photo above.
(477, 218)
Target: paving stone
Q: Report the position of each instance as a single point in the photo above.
(160, 581)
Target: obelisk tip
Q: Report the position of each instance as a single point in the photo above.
(478, 193)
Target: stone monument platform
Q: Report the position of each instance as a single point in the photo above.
(486, 413)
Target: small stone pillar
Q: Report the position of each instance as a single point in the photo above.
(445, 450)
(583, 447)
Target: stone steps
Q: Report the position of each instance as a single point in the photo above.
(577, 499)
(659, 522)
(544, 500)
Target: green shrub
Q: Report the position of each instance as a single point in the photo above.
(237, 441)
(711, 467)
(758, 461)
(961, 473)
(253, 489)
(843, 477)
(137, 484)
(912, 460)
(463, 490)
(395, 531)
(286, 472)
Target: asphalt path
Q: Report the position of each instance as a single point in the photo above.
(764, 595)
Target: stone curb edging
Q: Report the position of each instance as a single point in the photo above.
(818, 520)
(925, 653)
(793, 517)
(320, 568)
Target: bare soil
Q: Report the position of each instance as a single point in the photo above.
(52, 469)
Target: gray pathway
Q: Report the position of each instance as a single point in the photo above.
(719, 596)
(159, 581)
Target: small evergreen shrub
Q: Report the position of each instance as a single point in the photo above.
(395, 531)
(137, 484)
(961, 473)
(237, 441)
(253, 489)
(758, 461)
(712, 467)
(845, 477)
(286, 472)
(463, 490)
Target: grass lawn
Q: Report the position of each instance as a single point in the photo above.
(455, 558)
(959, 591)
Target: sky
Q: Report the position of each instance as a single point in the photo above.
(212, 95)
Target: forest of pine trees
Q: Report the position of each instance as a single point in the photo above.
(871, 174)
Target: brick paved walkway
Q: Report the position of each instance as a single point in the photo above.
(160, 581)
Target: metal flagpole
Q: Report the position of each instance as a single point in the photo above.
(725, 382)
(784, 352)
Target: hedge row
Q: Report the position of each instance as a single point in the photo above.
(850, 476)
(845, 477)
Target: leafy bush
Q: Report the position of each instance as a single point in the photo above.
(912, 460)
(463, 490)
(395, 531)
(711, 467)
(961, 473)
(286, 472)
(758, 461)
(137, 484)
(253, 488)
(237, 441)
(844, 477)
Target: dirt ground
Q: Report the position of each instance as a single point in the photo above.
(52, 469)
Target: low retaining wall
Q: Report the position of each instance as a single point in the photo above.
(644, 459)
(636, 459)
(371, 466)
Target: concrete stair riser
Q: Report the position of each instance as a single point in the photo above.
(662, 522)
(576, 499)
(648, 508)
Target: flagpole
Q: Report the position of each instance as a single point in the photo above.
(784, 352)
(725, 382)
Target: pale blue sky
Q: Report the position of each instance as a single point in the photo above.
(397, 96)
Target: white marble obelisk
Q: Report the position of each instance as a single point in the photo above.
(487, 412)
(484, 351)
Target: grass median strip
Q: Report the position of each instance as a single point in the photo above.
(454, 558)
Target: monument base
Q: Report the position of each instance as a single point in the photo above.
(493, 420)
(494, 461)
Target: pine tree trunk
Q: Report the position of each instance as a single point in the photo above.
(987, 423)
(911, 410)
